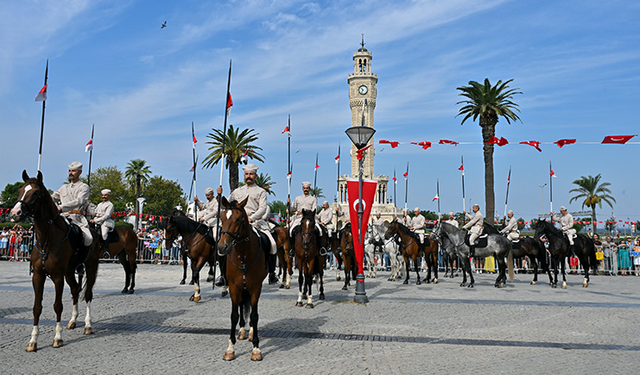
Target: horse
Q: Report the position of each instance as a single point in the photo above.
(534, 249)
(392, 248)
(348, 255)
(336, 249)
(198, 249)
(308, 258)
(431, 257)
(374, 243)
(497, 245)
(283, 244)
(246, 271)
(125, 249)
(559, 248)
(55, 256)
(409, 246)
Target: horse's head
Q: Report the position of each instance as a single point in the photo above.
(540, 226)
(30, 195)
(235, 227)
(436, 234)
(171, 231)
(346, 238)
(392, 229)
(308, 227)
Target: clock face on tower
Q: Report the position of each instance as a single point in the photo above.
(363, 89)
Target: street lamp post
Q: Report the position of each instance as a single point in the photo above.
(360, 136)
(141, 201)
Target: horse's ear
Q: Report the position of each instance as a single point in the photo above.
(39, 177)
(244, 202)
(25, 176)
(224, 202)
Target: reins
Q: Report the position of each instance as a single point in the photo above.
(234, 244)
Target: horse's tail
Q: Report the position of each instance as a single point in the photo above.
(510, 263)
(246, 305)
(592, 254)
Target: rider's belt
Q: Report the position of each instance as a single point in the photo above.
(77, 212)
(478, 225)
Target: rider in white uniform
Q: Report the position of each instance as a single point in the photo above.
(511, 230)
(452, 221)
(102, 215)
(474, 226)
(566, 221)
(416, 224)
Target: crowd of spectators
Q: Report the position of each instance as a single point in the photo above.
(16, 243)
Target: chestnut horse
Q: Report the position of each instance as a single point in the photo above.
(54, 255)
(198, 249)
(348, 255)
(308, 258)
(246, 270)
(409, 247)
(125, 248)
(283, 245)
(431, 258)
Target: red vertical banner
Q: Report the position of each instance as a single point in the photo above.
(368, 193)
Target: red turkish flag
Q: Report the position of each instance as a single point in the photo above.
(617, 139)
(393, 144)
(368, 192)
(42, 95)
(447, 142)
(498, 141)
(535, 144)
(562, 142)
(425, 145)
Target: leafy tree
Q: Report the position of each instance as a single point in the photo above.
(316, 192)
(488, 103)
(593, 193)
(236, 142)
(109, 178)
(264, 181)
(9, 195)
(163, 196)
(137, 175)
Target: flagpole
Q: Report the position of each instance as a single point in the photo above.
(289, 170)
(338, 178)
(550, 189)
(438, 194)
(193, 181)
(406, 189)
(315, 176)
(90, 157)
(46, 75)
(395, 199)
(464, 207)
(506, 199)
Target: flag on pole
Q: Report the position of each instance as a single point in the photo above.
(552, 173)
(435, 198)
(244, 158)
(192, 168)
(286, 129)
(229, 103)
(461, 168)
(395, 180)
(316, 168)
(89, 146)
(194, 139)
(42, 95)
(406, 175)
(338, 159)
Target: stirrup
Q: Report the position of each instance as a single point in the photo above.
(323, 251)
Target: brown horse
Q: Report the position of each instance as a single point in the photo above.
(409, 247)
(54, 255)
(194, 237)
(534, 249)
(348, 255)
(125, 248)
(246, 270)
(283, 245)
(431, 258)
(308, 258)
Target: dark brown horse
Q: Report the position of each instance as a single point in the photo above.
(283, 245)
(198, 249)
(246, 270)
(431, 258)
(54, 255)
(348, 255)
(125, 249)
(336, 249)
(409, 247)
(308, 258)
(534, 249)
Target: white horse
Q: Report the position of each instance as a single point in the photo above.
(374, 237)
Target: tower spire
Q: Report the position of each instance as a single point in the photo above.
(362, 49)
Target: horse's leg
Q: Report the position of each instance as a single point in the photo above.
(75, 292)
(230, 353)
(184, 267)
(127, 271)
(132, 268)
(210, 273)
(406, 268)
(309, 281)
(416, 258)
(37, 281)
(321, 295)
(92, 274)
(195, 268)
(534, 263)
(434, 255)
(300, 281)
(347, 270)
(58, 281)
(501, 279)
(564, 274)
(242, 334)
(256, 355)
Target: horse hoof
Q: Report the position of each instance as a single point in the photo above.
(344, 287)
(88, 331)
(256, 355)
(585, 284)
(130, 291)
(182, 282)
(242, 335)
(298, 304)
(224, 293)
(229, 355)
(406, 282)
(435, 281)
(32, 347)
(418, 282)
(564, 285)
(209, 279)
(197, 299)
(470, 285)
(287, 287)
(554, 286)
(281, 286)
(338, 278)
(71, 325)
(57, 343)
(533, 283)
(462, 285)
(321, 297)
(250, 337)
(191, 298)
(191, 282)
(309, 306)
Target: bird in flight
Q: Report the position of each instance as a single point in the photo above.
(164, 25)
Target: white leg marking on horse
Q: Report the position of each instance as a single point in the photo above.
(74, 314)
(251, 332)
(58, 331)
(87, 319)
(299, 296)
(196, 293)
(230, 348)
(34, 335)
(309, 301)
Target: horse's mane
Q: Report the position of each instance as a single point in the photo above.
(547, 226)
(489, 229)
(407, 231)
(186, 224)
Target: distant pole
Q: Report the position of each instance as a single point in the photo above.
(406, 188)
(315, 176)
(506, 199)
(289, 169)
(193, 180)
(550, 189)
(90, 157)
(463, 196)
(46, 75)
(395, 199)
(338, 177)
(438, 194)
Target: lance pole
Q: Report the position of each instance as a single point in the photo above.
(406, 188)
(90, 157)
(193, 180)
(395, 200)
(338, 178)
(438, 194)
(506, 199)
(46, 75)
(550, 189)
(289, 171)
(464, 207)
(315, 176)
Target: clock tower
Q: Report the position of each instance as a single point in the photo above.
(362, 89)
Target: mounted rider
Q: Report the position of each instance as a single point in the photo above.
(566, 221)
(325, 217)
(102, 216)
(378, 224)
(306, 201)
(452, 220)
(416, 224)
(474, 226)
(209, 214)
(73, 199)
(255, 208)
(511, 230)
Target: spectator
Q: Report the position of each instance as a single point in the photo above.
(4, 241)
(598, 245)
(607, 247)
(624, 260)
(636, 258)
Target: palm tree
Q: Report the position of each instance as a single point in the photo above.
(316, 192)
(593, 194)
(137, 174)
(236, 143)
(263, 180)
(489, 103)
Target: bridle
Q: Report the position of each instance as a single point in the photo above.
(237, 240)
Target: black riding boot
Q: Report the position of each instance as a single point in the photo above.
(271, 264)
(221, 280)
(472, 251)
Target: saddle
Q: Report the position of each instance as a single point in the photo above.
(482, 240)
(516, 244)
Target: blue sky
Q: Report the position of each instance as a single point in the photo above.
(576, 62)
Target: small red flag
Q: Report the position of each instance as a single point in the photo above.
(617, 139)
(395, 179)
(338, 159)
(194, 140)
(229, 103)
(448, 142)
(552, 173)
(498, 141)
(243, 158)
(286, 129)
(534, 144)
(393, 144)
(563, 142)
(42, 95)
(435, 198)
(316, 168)
(425, 145)
(406, 175)
(89, 146)
(360, 152)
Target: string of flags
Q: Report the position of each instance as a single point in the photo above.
(609, 139)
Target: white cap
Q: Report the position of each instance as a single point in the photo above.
(563, 208)
(250, 168)
(208, 190)
(306, 184)
(417, 209)
(509, 212)
(105, 192)
(76, 165)
(325, 202)
(451, 213)
(378, 213)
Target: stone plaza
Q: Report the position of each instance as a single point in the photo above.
(404, 329)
